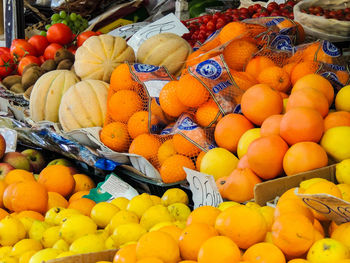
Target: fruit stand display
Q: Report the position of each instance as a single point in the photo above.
(222, 138)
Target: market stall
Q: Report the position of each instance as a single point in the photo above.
(175, 131)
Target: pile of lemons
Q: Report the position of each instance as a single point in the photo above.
(111, 225)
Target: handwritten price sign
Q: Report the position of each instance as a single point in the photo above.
(203, 188)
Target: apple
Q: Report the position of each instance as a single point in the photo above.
(4, 169)
(17, 160)
(61, 161)
(36, 159)
(2, 146)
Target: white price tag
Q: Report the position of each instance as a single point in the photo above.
(203, 188)
(168, 24)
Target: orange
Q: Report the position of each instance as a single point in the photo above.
(31, 214)
(150, 260)
(323, 187)
(304, 156)
(239, 185)
(78, 195)
(257, 64)
(302, 69)
(191, 92)
(187, 261)
(231, 31)
(301, 124)
(260, 102)
(343, 77)
(158, 114)
(246, 226)
(318, 227)
(185, 143)
(314, 52)
(165, 151)
(341, 233)
(192, 237)
(146, 145)
(115, 136)
(267, 164)
(169, 101)
(271, 125)
(317, 82)
(18, 175)
(289, 194)
(238, 53)
(56, 200)
(3, 213)
(289, 23)
(289, 67)
(211, 44)
(203, 214)
(264, 252)
(275, 77)
(123, 104)
(57, 178)
(199, 159)
(172, 170)
(292, 205)
(26, 195)
(173, 231)
(208, 114)
(158, 244)
(219, 249)
(199, 56)
(84, 205)
(83, 183)
(243, 79)
(229, 130)
(335, 119)
(298, 260)
(332, 226)
(3, 186)
(126, 254)
(243, 162)
(293, 234)
(121, 79)
(139, 123)
(308, 97)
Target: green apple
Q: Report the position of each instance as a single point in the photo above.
(61, 161)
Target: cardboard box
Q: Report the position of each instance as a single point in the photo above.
(106, 255)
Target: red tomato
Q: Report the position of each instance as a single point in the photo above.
(26, 61)
(6, 63)
(59, 33)
(73, 49)
(83, 36)
(42, 59)
(5, 50)
(39, 43)
(20, 48)
(51, 50)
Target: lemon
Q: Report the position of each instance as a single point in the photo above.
(37, 229)
(27, 222)
(160, 225)
(25, 245)
(156, 200)
(109, 243)
(179, 211)
(307, 183)
(108, 230)
(345, 191)
(9, 259)
(11, 231)
(180, 224)
(50, 216)
(174, 195)
(127, 233)
(44, 255)
(336, 142)
(25, 257)
(342, 171)
(246, 139)
(342, 99)
(139, 204)
(285, 102)
(123, 217)
(120, 202)
(155, 214)
(88, 244)
(61, 245)
(77, 226)
(50, 236)
(268, 214)
(103, 212)
(252, 205)
(5, 251)
(103, 261)
(66, 254)
(128, 243)
(64, 214)
(327, 250)
(224, 205)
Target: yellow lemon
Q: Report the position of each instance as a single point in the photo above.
(342, 99)
(139, 204)
(120, 202)
(11, 231)
(123, 217)
(154, 215)
(224, 205)
(307, 183)
(61, 245)
(50, 236)
(342, 171)
(50, 216)
(180, 224)
(345, 191)
(156, 200)
(37, 229)
(179, 211)
(9, 259)
(64, 214)
(336, 142)
(174, 195)
(103, 233)
(44, 255)
(103, 212)
(66, 254)
(327, 250)
(246, 139)
(88, 244)
(25, 245)
(77, 226)
(5, 251)
(109, 243)
(27, 222)
(160, 225)
(26, 256)
(252, 205)
(268, 214)
(127, 233)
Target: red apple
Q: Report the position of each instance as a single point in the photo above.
(36, 159)
(4, 169)
(17, 160)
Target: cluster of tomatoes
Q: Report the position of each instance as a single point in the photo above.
(39, 48)
(202, 27)
(340, 14)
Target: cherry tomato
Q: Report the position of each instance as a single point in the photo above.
(39, 43)
(6, 63)
(347, 10)
(210, 26)
(20, 48)
(281, 6)
(220, 24)
(275, 13)
(26, 61)
(51, 50)
(59, 33)
(256, 6)
(42, 59)
(244, 11)
(85, 35)
(347, 17)
(216, 15)
(272, 6)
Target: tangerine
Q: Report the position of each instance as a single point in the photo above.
(83, 183)
(84, 205)
(139, 123)
(169, 102)
(115, 136)
(271, 125)
(18, 175)
(302, 69)
(264, 252)
(276, 78)
(146, 145)
(121, 79)
(203, 214)
(257, 64)
(336, 119)
(56, 200)
(172, 170)
(208, 114)
(238, 52)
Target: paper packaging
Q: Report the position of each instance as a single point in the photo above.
(107, 255)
